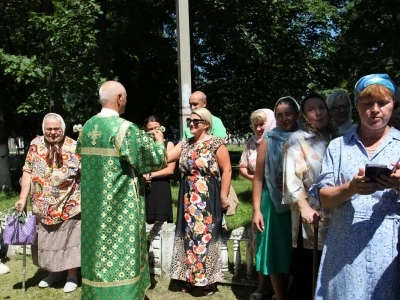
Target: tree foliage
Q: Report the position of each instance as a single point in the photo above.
(54, 54)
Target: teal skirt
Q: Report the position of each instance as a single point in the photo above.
(274, 244)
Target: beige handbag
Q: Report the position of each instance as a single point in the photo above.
(233, 202)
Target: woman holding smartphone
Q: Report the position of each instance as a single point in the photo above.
(360, 258)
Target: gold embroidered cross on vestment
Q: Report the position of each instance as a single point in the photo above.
(95, 134)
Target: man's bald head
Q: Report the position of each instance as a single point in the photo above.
(113, 95)
(197, 100)
(109, 90)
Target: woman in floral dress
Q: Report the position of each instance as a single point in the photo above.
(51, 180)
(204, 161)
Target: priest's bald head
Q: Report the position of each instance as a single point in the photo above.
(113, 96)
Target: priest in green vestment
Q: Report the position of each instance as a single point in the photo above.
(115, 153)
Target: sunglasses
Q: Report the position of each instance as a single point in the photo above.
(195, 121)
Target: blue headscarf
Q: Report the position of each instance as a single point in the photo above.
(273, 167)
(367, 80)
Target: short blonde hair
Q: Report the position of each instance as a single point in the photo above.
(205, 115)
(258, 116)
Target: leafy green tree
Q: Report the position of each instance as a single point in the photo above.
(367, 42)
(58, 69)
(248, 54)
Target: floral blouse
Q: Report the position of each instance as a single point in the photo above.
(249, 156)
(55, 190)
(302, 158)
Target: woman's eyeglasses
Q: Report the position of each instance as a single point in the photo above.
(340, 107)
(195, 121)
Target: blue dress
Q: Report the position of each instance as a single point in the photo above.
(360, 256)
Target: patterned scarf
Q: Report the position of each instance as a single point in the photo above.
(54, 155)
(310, 128)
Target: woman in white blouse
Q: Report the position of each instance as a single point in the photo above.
(262, 121)
(302, 158)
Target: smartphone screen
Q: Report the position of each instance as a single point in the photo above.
(373, 171)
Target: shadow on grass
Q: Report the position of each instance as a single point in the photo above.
(177, 285)
(42, 274)
(245, 196)
(240, 291)
(34, 281)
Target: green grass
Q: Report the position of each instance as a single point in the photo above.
(7, 200)
(161, 289)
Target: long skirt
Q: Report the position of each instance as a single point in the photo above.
(58, 247)
(274, 244)
(196, 256)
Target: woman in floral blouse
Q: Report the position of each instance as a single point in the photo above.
(51, 175)
(302, 158)
(203, 195)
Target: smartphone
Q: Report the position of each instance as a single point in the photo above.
(373, 171)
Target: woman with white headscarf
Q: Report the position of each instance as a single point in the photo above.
(51, 179)
(339, 106)
(262, 121)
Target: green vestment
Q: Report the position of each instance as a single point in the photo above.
(114, 245)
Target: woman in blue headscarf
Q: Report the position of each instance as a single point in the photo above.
(270, 217)
(360, 258)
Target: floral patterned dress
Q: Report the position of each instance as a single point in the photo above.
(196, 256)
(55, 190)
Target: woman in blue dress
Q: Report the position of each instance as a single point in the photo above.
(360, 257)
